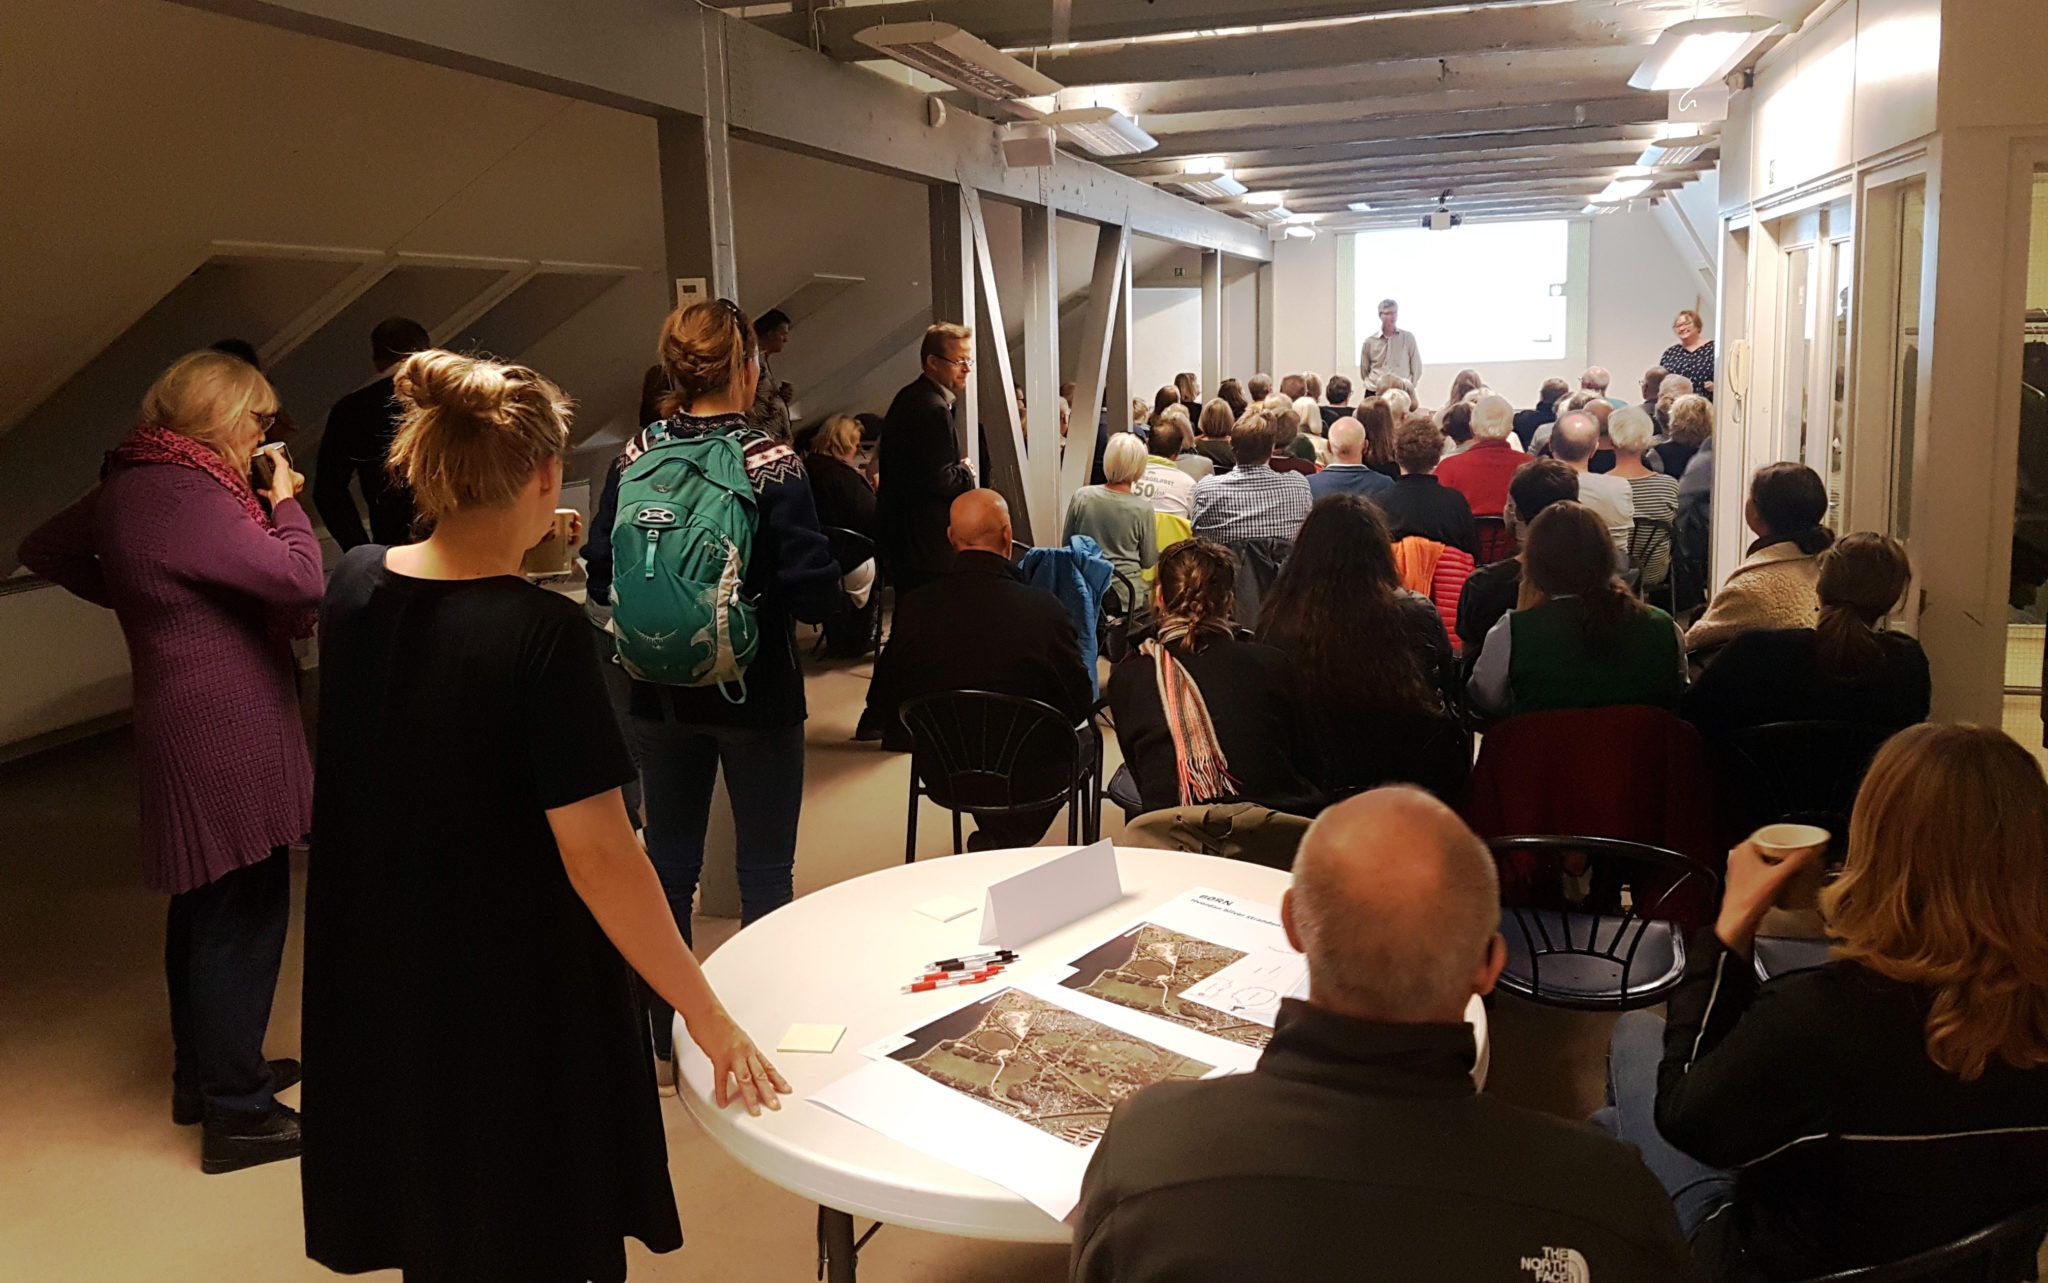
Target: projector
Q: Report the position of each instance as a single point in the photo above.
(1027, 145)
(1442, 220)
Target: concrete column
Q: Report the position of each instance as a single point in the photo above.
(1212, 319)
(1042, 372)
(1268, 304)
(696, 204)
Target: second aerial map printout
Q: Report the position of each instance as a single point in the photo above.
(1017, 1085)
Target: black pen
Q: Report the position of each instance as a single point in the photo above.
(972, 960)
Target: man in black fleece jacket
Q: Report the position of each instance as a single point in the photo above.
(1359, 1148)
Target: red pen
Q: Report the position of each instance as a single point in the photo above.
(955, 975)
(924, 985)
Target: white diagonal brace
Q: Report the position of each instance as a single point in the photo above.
(1002, 466)
(1104, 323)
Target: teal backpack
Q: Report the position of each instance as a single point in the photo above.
(680, 544)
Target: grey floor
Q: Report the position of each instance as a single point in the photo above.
(96, 1184)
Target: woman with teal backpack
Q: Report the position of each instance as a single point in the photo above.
(703, 581)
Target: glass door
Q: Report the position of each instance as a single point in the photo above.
(1835, 377)
(2027, 598)
(1795, 350)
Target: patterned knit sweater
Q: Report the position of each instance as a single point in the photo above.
(1774, 587)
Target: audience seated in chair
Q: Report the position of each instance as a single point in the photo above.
(1118, 519)
(981, 627)
(1359, 1147)
(1213, 430)
(1347, 473)
(1419, 504)
(1573, 442)
(1292, 450)
(1166, 485)
(1774, 585)
(1238, 728)
(1846, 668)
(1652, 494)
(1370, 651)
(1578, 638)
(1549, 400)
(1492, 590)
(1481, 473)
(1251, 501)
(1897, 1098)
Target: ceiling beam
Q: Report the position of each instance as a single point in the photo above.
(1010, 25)
(1363, 101)
(1492, 69)
(1635, 109)
(1381, 194)
(1294, 177)
(1334, 153)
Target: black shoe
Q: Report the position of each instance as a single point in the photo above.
(238, 1139)
(188, 1108)
(868, 729)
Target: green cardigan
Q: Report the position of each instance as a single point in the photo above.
(1551, 666)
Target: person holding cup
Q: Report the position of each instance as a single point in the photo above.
(1896, 1098)
(211, 587)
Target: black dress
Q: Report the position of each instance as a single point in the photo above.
(481, 1102)
(1697, 365)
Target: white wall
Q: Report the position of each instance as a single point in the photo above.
(1166, 337)
(1625, 284)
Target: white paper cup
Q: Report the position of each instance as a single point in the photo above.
(1776, 843)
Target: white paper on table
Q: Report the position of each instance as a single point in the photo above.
(1247, 990)
(900, 1102)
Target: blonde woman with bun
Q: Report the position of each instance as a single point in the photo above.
(477, 899)
(210, 587)
(1895, 1098)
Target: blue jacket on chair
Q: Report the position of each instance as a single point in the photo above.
(1078, 575)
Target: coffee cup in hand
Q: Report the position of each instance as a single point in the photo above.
(1777, 843)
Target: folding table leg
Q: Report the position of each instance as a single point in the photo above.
(837, 1253)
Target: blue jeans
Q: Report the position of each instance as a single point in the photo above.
(764, 777)
(223, 945)
(1697, 1191)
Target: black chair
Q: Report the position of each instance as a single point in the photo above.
(849, 549)
(2006, 1252)
(1018, 548)
(1651, 536)
(1798, 772)
(1783, 955)
(1114, 616)
(1611, 951)
(983, 754)
(1432, 751)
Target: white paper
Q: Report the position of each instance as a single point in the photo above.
(1024, 906)
(1206, 961)
(822, 1039)
(1071, 1058)
(945, 908)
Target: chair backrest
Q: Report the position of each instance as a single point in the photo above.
(849, 547)
(1114, 618)
(1803, 772)
(1018, 548)
(1496, 543)
(980, 751)
(1629, 771)
(1258, 565)
(2000, 1253)
(1603, 923)
(1432, 751)
(1650, 536)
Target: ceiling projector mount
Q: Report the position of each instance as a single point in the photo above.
(1441, 219)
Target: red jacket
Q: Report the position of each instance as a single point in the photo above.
(1481, 474)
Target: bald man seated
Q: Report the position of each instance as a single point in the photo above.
(1346, 472)
(979, 626)
(1358, 1149)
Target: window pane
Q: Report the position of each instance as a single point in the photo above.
(1906, 354)
(2029, 583)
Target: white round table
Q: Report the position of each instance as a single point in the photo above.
(841, 956)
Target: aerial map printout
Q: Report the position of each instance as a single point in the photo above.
(1017, 1085)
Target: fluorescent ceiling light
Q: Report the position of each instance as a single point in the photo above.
(1700, 50)
(945, 52)
(1267, 210)
(1676, 151)
(1105, 131)
(1622, 189)
(1300, 232)
(1208, 184)
(1360, 207)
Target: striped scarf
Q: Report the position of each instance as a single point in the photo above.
(1203, 769)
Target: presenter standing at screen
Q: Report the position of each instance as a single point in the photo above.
(1389, 353)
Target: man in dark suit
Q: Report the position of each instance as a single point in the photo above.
(356, 443)
(981, 627)
(920, 462)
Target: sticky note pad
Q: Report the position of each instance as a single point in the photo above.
(945, 908)
(816, 1038)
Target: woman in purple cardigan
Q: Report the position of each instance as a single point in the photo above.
(210, 589)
